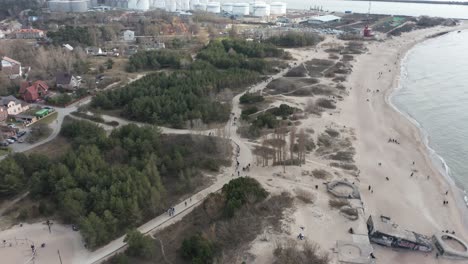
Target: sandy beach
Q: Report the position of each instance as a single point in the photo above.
(412, 196)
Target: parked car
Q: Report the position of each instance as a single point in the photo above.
(10, 141)
(11, 125)
(21, 140)
(75, 228)
(21, 133)
(13, 138)
(4, 143)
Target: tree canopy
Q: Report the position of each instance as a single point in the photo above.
(295, 39)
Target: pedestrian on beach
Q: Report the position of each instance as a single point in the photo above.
(446, 192)
(387, 178)
(412, 174)
(185, 203)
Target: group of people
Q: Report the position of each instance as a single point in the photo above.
(171, 211)
(391, 140)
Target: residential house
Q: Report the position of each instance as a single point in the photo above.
(3, 113)
(128, 35)
(13, 105)
(29, 33)
(30, 92)
(66, 81)
(11, 68)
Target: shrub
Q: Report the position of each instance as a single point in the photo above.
(321, 174)
(198, 250)
(139, 245)
(332, 132)
(247, 112)
(241, 191)
(249, 98)
(325, 103)
(290, 253)
(305, 196)
(343, 156)
(338, 203)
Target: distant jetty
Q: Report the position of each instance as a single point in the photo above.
(418, 2)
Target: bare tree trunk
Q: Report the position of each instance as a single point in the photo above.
(292, 140)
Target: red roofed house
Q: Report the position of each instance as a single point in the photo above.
(29, 33)
(31, 92)
(11, 68)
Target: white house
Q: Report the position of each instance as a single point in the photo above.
(13, 105)
(129, 35)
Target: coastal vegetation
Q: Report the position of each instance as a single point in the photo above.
(157, 59)
(184, 96)
(214, 231)
(295, 39)
(107, 184)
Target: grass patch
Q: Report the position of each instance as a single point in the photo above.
(48, 119)
(338, 203)
(293, 253)
(321, 174)
(305, 196)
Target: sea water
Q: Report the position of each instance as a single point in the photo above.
(385, 8)
(434, 92)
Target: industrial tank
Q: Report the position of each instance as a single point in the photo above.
(240, 9)
(193, 3)
(260, 10)
(213, 7)
(161, 4)
(227, 7)
(185, 6)
(200, 7)
(142, 5)
(278, 8)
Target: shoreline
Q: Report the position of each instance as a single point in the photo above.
(437, 160)
(414, 202)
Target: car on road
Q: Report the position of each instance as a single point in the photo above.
(10, 141)
(75, 228)
(21, 133)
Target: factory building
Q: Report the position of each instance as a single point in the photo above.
(68, 5)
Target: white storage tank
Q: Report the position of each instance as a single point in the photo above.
(278, 8)
(227, 7)
(161, 4)
(193, 3)
(261, 10)
(213, 7)
(200, 7)
(185, 5)
(171, 5)
(240, 9)
(142, 5)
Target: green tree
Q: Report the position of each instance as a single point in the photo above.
(198, 250)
